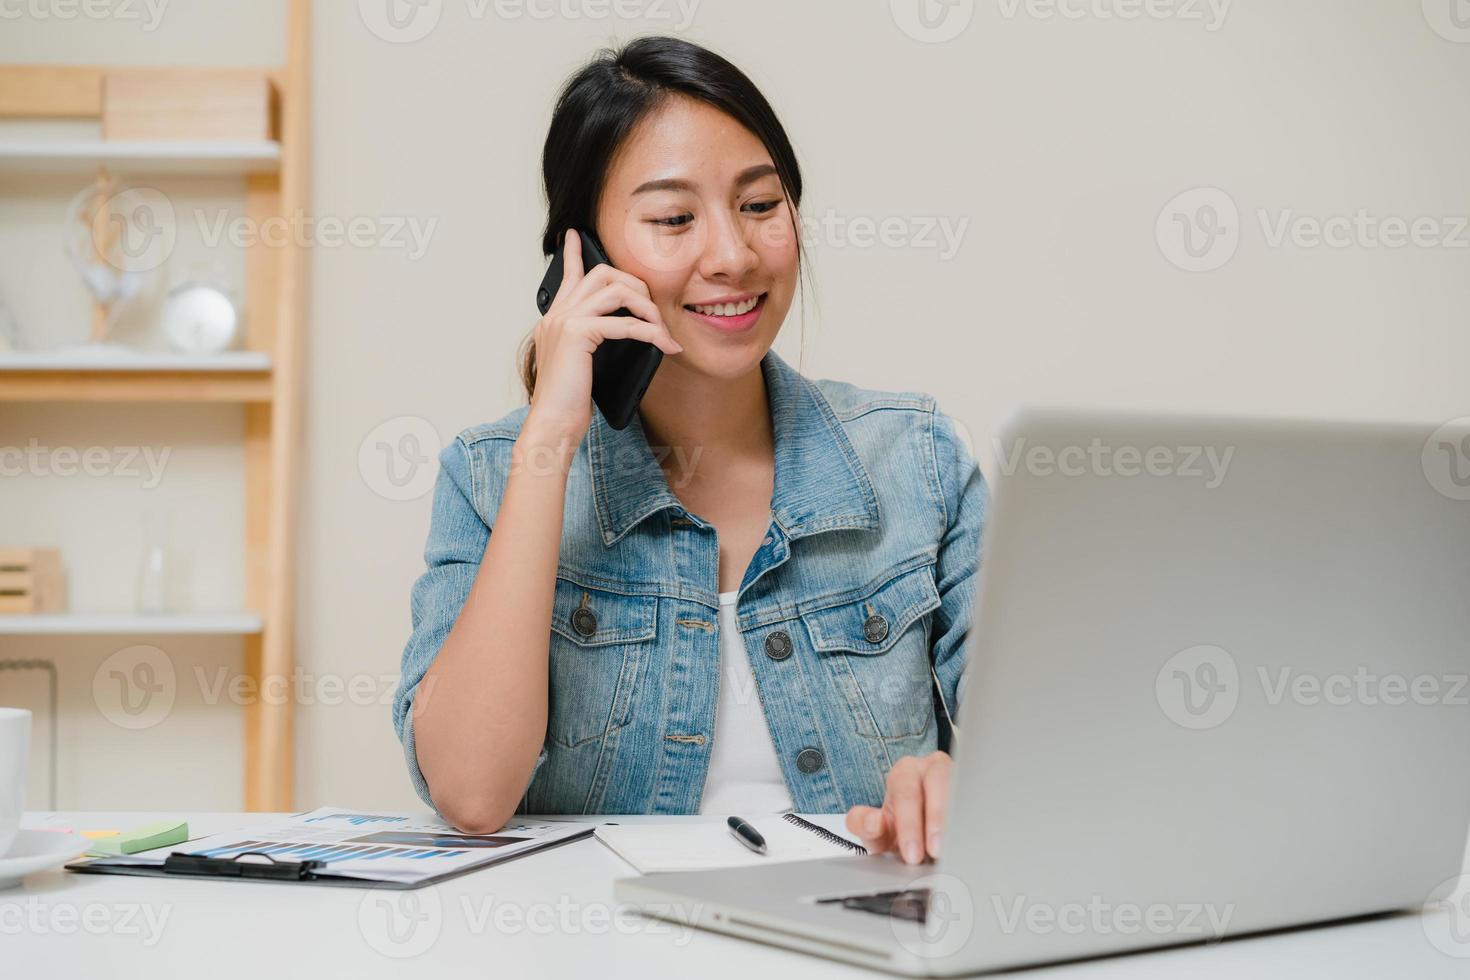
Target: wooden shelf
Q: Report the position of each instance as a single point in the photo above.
(231, 376)
(117, 624)
(138, 157)
(163, 118)
(84, 360)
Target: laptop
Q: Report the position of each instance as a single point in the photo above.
(1217, 685)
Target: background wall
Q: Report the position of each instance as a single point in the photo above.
(995, 216)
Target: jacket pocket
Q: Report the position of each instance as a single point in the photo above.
(876, 649)
(599, 642)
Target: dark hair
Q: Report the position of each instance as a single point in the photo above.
(598, 108)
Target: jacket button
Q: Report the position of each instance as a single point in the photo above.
(584, 621)
(875, 628)
(810, 760)
(778, 645)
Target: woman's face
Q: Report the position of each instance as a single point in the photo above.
(692, 206)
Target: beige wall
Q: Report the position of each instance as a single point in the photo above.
(1052, 144)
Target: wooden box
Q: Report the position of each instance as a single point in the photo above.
(31, 581)
(188, 104)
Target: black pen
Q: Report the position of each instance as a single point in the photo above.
(747, 835)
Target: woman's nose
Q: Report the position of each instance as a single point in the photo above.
(728, 253)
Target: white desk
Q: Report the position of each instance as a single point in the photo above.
(549, 915)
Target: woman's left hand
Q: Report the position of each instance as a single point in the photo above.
(911, 819)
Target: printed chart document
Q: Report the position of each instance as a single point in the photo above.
(370, 847)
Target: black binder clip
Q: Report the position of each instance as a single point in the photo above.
(180, 863)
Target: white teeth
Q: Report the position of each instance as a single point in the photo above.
(727, 309)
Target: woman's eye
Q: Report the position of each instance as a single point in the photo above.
(676, 221)
(761, 207)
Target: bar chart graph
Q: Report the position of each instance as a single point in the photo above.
(291, 851)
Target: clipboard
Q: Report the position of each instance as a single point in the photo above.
(350, 855)
(181, 864)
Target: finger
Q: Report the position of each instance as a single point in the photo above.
(600, 328)
(604, 274)
(615, 295)
(906, 802)
(870, 826)
(936, 800)
(571, 261)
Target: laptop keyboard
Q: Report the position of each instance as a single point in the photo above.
(911, 903)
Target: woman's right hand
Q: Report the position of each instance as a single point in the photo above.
(578, 321)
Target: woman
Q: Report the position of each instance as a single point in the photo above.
(754, 596)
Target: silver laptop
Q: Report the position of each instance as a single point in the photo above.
(1217, 685)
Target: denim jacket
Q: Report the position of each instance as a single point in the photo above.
(853, 610)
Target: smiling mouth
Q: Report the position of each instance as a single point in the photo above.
(726, 309)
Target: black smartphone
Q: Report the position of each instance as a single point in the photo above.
(621, 367)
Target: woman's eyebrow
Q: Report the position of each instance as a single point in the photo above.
(746, 176)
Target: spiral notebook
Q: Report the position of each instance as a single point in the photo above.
(702, 846)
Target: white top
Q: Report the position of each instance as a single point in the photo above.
(744, 774)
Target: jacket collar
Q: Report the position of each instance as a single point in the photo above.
(820, 483)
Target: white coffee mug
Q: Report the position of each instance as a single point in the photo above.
(15, 745)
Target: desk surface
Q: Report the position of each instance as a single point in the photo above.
(547, 915)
